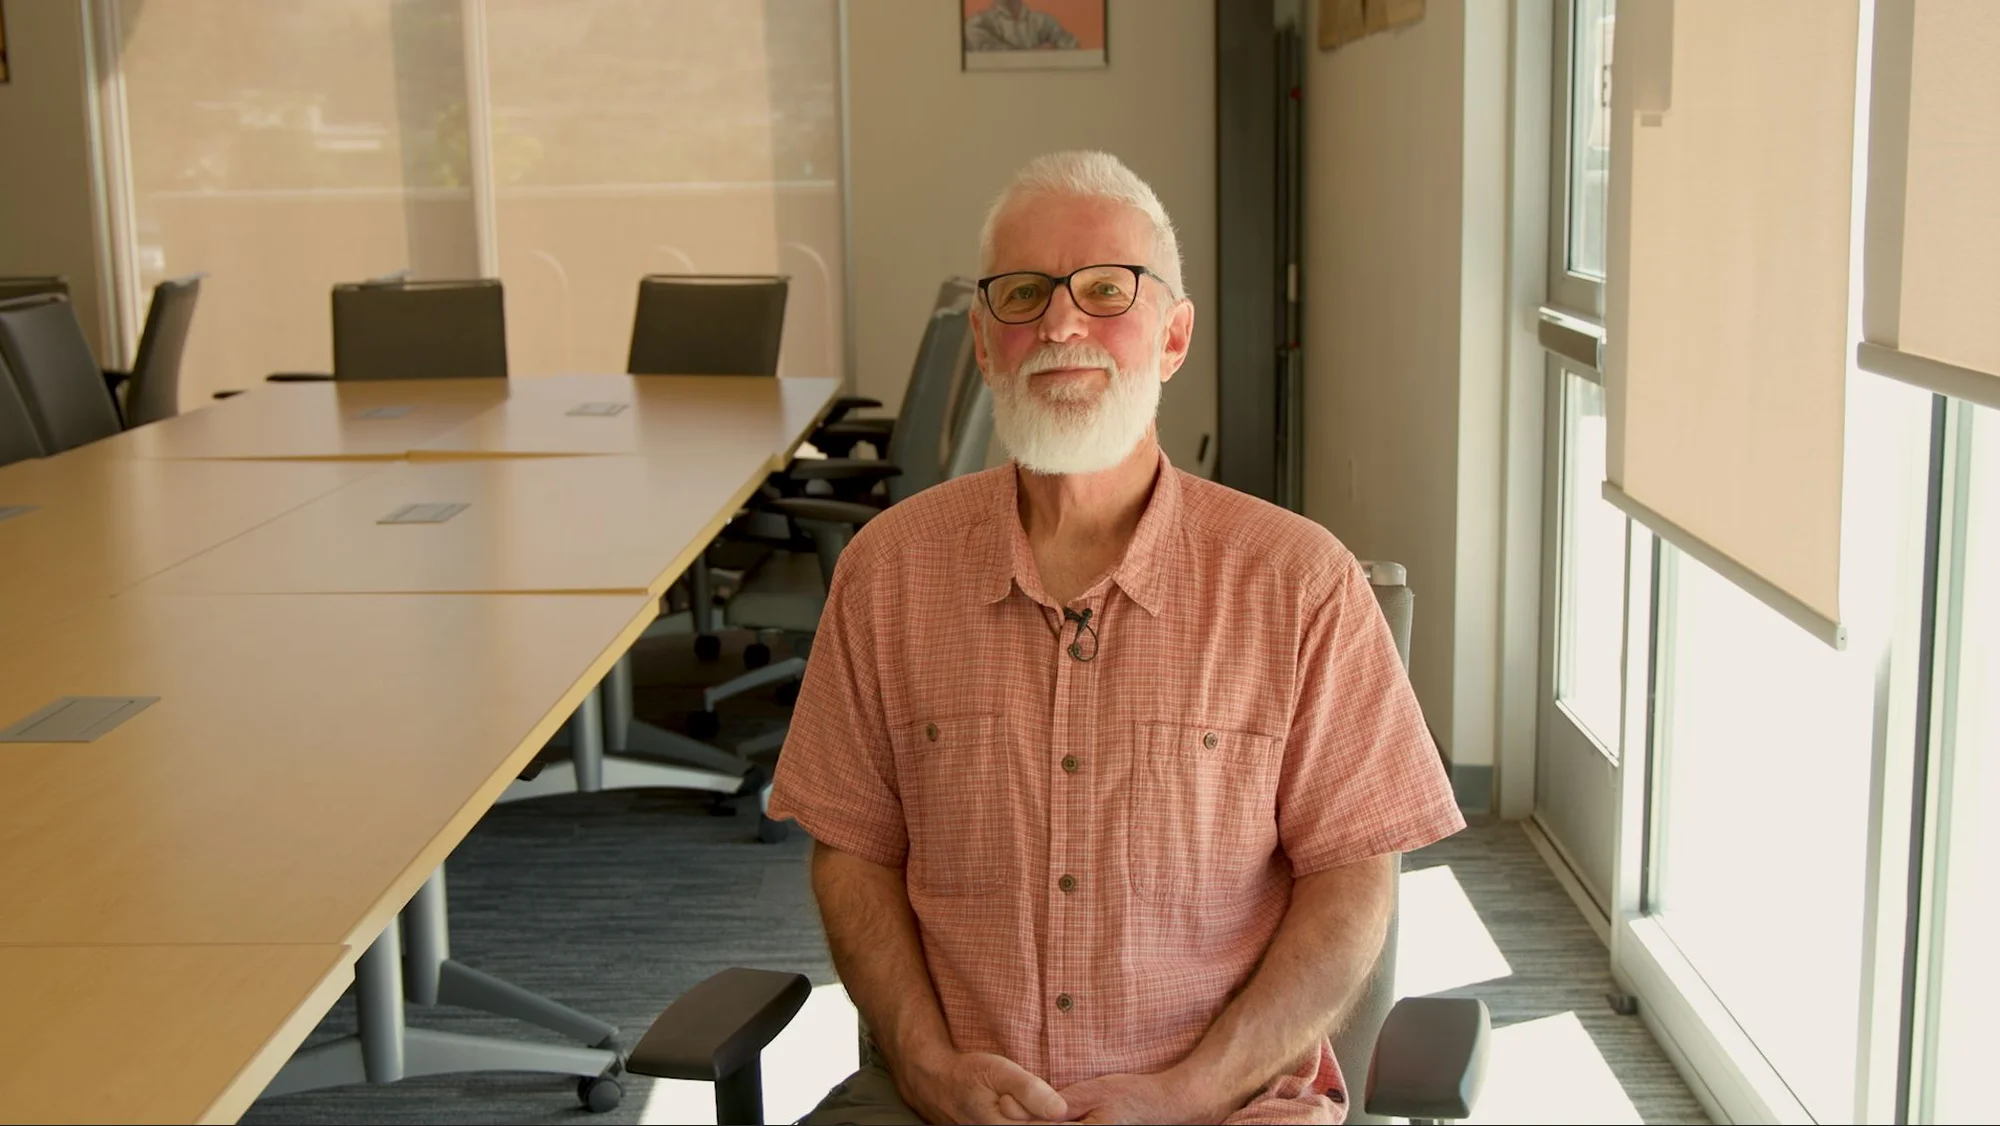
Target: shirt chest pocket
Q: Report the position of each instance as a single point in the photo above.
(957, 790)
(1204, 811)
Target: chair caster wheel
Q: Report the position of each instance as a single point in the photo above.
(704, 725)
(772, 832)
(756, 655)
(708, 647)
(599, 1093)
(787, 693)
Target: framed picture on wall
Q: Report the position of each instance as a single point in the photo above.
(1032, 34)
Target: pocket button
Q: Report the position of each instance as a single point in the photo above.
(1210, 741)
(930, 732)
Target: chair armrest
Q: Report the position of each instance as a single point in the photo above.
(1430, 1058)
(720, 1025)
(847, 403)
(841, 469)
(298, 377)
(822, 509)
(861, 429)
(838, 438)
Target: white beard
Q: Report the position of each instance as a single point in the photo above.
(1080, 431)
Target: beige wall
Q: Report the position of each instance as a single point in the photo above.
(1404, 289)
(930, 146)
(47, 217)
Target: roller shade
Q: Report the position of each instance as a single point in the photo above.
(1931, 312)
(1726, 297)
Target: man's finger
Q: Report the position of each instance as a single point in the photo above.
(1037, 1098)
(1012, 1108)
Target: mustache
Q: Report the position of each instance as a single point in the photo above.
(1066, 354)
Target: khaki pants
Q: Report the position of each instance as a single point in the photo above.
(866, 1098)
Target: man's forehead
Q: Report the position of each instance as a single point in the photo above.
(1060, 233)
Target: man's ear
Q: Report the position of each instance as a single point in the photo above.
(977, 323)
(1179, 338)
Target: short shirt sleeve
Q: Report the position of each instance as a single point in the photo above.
(1361, 776)
(836, 775)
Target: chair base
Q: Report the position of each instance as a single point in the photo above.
(384, 1049)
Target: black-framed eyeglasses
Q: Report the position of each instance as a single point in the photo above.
(1106, 290)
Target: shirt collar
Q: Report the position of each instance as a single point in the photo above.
(1005, 561)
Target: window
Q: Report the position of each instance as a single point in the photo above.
(1589, 134)
(1965, 979)
(1767, 744)
(1591, 602)
(284, 148)
(634, 137)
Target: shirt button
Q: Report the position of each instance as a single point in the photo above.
(1063, 1003)
(1209, 740)
(1067, 883)
(930, 732)
(1070, 764)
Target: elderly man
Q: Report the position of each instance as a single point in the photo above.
(1106, 764)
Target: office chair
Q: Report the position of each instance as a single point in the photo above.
(394, 328)
(11, 288)
(57, 377)
(1420, 1058)
(714, 324)
(708, 324)
(18, 440)
(153, 386)
(786, 589)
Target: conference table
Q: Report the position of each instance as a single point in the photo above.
(78, 529)
(258, 718)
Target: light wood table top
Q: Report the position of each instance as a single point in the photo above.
(663, 414)
(314, 421)
(155, 1033)
(539, 524)
(309, 762)
(100, 525)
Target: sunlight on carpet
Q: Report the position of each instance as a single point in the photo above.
(1441, 943)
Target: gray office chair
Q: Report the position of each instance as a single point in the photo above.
(785, 590)
(153, 386)
(58, 378)
(713, 324)
(394, 328)
(18, 440)
(1420, 1058)
(11, 288)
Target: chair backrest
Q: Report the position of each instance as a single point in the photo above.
(11, 288)
(916, 444)
(717, 324)
(1354, 1043)
(420, 330)
(974, 433)
(59, 380)
(155, 390)
(18, 440)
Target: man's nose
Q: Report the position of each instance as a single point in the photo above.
(1062, 320)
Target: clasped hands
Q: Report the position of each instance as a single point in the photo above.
(981, 1087)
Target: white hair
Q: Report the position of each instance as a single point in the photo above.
(1088, 174)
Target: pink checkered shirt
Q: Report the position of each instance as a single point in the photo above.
(1099, 851)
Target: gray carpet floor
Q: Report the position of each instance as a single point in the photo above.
(616, 902)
